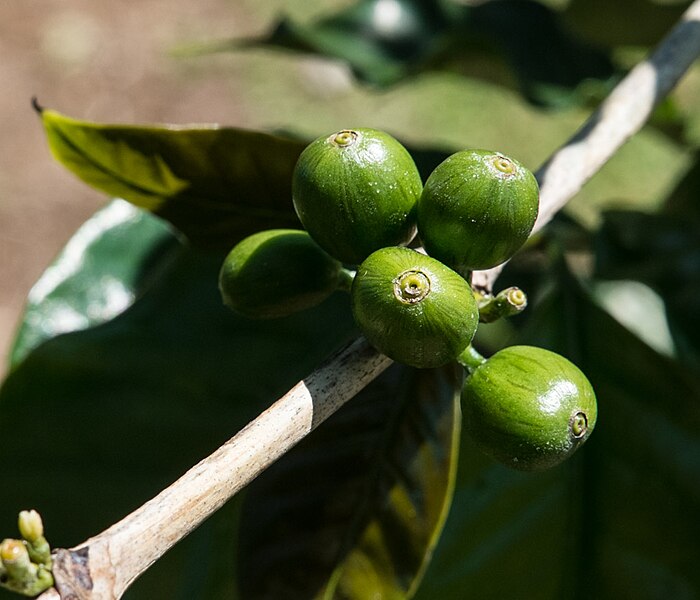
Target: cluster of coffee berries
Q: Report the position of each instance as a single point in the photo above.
(361, 200)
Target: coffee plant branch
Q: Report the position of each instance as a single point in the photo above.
(104, 566)
(618, 118)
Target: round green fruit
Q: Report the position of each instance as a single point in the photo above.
(528, 408)
(413, 308)
(477, 209)
(277, 272)
(355, 191)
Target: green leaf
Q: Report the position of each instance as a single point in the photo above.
(95, 422)
(640, 309)
(108, 263)
(662, 251)
(621, 517)
(623, 22)
(385, 41)
(124, 407)
(361, 502)
(553, 67)
(684, 201)
(215, 184)
(643, 463)
(381, 40)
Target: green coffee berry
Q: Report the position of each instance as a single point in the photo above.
(277, 272)
(413, 308)
(528, 408)
(355, 192)
(477, 209)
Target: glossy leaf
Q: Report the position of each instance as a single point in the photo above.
(109, 262)
(95, 422)
(618, 520)
(215, 184)
(354, 511)
(134, 402)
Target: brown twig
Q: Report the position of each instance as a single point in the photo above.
(103, 567)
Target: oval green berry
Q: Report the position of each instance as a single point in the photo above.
(477, 209)
(277, 272)
(355, 191)
(529, 408)
(413, 308)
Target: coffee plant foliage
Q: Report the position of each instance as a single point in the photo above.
(127, 368)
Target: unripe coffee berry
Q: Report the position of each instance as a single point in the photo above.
(277, 272)
(477, 209)
(528, 408)
(355, 192)
(413, 308)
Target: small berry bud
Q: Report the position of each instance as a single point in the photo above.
(13, 552)
(31, 526)
(19, 573)
(506, 303)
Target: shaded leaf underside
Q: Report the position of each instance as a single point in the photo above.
(355, 510)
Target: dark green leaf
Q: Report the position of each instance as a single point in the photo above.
(214, 184)
(619, 520)
(655, 249)
(95, 422)
(124, 408)
(508, 535)
(107, 264)
(385, 41)
(662, 251)
(382, 40)
(641, 515)
(623, 22)
(355, 510)
(553, 67)
(685, 199)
